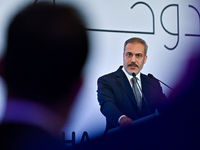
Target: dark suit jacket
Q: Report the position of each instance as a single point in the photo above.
(16, 136)
(116, 97)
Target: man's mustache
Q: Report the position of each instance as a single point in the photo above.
(133, 64)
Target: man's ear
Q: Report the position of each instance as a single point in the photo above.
(65, 104)
(145, 59)
(70, 96)
(2, 67)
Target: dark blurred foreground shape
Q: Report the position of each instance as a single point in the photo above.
(47, 47)
(176, 128)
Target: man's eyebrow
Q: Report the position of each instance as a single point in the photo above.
(138, 53)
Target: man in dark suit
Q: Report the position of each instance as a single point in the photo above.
(116, 90)
(46, 49)
(178, 127)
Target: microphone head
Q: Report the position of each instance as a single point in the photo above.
(150, 75)
(133, 74)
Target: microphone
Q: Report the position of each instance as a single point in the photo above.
(134, 76)
(151, 76)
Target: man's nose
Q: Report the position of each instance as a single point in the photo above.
(133, 59)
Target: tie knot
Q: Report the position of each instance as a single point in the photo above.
(134, 79)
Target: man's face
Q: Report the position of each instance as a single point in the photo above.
(134, 57)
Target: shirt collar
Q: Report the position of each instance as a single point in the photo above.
(130, 76)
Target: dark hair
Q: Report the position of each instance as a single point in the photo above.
(136, 40)
(46, 49)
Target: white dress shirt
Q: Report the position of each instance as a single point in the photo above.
(129, 77)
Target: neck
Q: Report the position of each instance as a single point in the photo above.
(32, 113)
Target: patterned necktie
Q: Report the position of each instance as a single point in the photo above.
(137, 93)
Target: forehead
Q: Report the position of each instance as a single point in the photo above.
(135, 48)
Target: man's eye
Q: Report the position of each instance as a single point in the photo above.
(138, 55)
(129, 55)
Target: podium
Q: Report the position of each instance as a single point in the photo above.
(135, 122)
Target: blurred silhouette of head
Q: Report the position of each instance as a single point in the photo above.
(47, 47)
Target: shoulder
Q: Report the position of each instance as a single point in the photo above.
(12, 132)
(149, 80)
(112, 75)
(107, 76)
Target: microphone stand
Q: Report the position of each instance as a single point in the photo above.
(151, 76)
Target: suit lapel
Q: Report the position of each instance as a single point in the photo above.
(143, 82)
(145, 91)
(124, 83)
(144, 85)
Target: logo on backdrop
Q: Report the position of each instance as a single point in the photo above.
(175, 6)
(177, 34)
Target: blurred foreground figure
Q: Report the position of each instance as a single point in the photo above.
(46, 49)
(177, 128)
